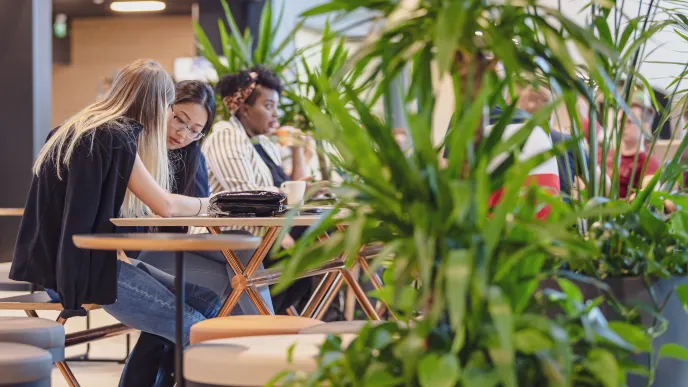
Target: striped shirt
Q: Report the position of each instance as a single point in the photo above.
(234, 164)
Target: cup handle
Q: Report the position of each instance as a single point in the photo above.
(282, 186)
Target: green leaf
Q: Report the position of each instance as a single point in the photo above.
(458, 272)
(602, 364)
(244, 49)
(632, 334)
(262, 52)
(531, 341)
(206, 48)
(436, 371)
(327, 8)
(682, 294)
(503, 353)
(447, 34)
(675, 351)
(570, 289)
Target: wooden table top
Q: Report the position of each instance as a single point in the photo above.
(208, 221)
(11, 212)
(166, 242)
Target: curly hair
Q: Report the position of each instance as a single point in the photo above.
(229, 84)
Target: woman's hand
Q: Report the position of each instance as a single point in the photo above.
(162, 203)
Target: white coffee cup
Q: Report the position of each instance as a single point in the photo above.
(295, 190)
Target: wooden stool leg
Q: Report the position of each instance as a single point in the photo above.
(360, 295)
(377, 284)
(67, 373)
(62, 365)
(329, 296)
(319, 294)
(31, 313)
(350, 300)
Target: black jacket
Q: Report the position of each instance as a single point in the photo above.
(83, 201)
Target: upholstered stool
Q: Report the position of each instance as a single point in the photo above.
(38, 332)
(253, 325)
(24, 365)
(251, 361)
(339, 327)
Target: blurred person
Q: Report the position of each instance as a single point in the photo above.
(571, 167)
(545, 175)
(632, 147)
(108, 160)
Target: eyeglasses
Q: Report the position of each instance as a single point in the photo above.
(179, 124)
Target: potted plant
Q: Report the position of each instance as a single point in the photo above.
(642, 247)
(477, 268)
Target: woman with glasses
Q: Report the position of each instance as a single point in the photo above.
(189, 119)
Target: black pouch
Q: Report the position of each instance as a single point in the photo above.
(248, 204)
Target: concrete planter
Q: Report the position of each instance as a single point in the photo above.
(633, 291)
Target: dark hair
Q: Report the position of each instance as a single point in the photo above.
(229, 84)
(188, 159)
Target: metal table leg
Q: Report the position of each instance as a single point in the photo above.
(179, 317)
(242, 274)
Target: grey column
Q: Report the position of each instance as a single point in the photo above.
(25, 97)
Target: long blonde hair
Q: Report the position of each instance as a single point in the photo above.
(142, 91)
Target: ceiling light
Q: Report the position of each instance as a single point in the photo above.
(137, 6)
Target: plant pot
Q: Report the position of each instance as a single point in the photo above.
(633, 291)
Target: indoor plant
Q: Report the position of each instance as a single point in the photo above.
(477, 268)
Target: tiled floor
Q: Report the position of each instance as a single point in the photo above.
(97, 374)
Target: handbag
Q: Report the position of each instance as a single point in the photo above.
(247, 204)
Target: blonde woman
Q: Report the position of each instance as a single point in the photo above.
(109, 159)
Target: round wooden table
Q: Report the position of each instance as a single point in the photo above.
(178, 243)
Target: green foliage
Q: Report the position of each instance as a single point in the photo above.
(642, 242)
(237, 47)
(479, 269)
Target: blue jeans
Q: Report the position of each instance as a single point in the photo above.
(209, 269)
(146, 301)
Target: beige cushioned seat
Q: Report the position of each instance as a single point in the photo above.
(37, 332)
(24, 365)
(251, 361)
(242, 326)
(339, 327)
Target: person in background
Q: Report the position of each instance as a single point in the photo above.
(632, 147)
(545, 175)
(108, 160)
(531, 100)
(402, 138)
(241, 157)
(571, 167)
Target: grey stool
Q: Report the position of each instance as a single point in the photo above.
(38, 332)
(23, 365)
